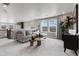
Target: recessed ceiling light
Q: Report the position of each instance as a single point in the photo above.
(63, 12)
(4, 6)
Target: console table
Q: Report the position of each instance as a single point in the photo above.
(70, 42)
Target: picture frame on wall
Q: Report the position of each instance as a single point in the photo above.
(3, 26)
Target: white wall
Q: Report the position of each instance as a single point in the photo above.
(29, 24)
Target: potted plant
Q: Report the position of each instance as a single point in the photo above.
(66, 24)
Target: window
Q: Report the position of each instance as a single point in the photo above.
(44, 26)
(52, 25)
(49, 25)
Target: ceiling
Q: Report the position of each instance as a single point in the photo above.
(16, 12)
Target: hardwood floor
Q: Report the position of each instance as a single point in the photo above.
(49, 47)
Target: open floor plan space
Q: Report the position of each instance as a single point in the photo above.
(39, 29)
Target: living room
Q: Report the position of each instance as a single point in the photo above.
(35, 29)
